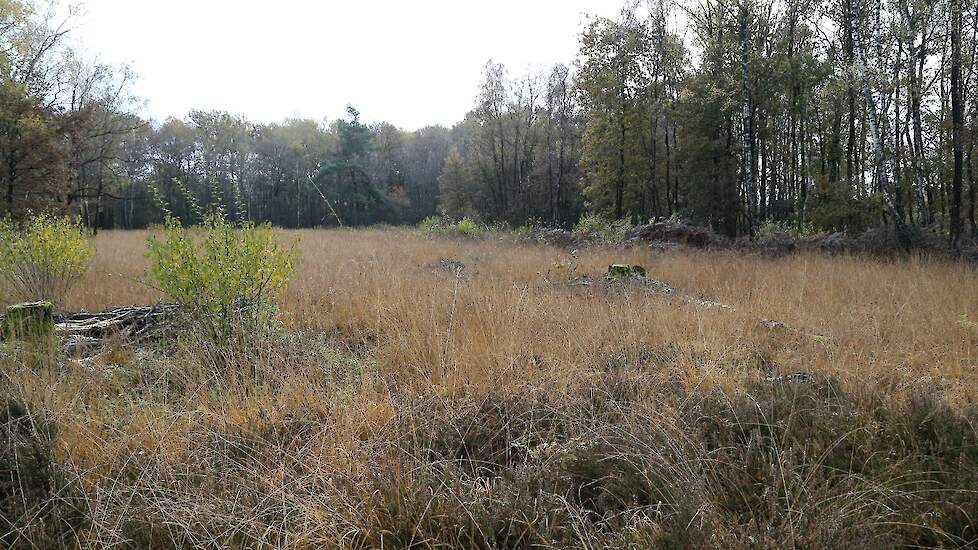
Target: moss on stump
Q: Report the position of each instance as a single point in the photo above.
(618, 272)
(32, 322)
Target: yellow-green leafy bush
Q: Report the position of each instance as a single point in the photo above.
(226, 276)
(441, 225)
(468, 227)
(605, 230)
(42, 258)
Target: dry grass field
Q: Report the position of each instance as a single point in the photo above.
(408, 404)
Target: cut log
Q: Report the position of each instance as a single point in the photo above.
(618, 272)
(31, 322)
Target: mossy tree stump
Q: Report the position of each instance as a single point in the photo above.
(618, 272)
(31, 322)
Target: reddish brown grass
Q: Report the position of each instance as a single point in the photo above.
(885, 317)
(344, 436)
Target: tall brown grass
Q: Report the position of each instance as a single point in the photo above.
(408, 405)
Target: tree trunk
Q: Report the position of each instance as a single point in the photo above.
(914, 73)
(897, 142)
(851, 101)
(971, 190)
(620, 184)
(878, 135)
(670, 198)
(747, 137)
(957, 121)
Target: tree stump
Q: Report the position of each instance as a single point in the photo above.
(619, 272)
(31, 322)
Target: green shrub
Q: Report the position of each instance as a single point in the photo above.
(431, 224)
(466, 227)
(773, 229)
(836, 207)
(966, 323)
(225, 276)
(524, 230)
(590, 223)
(605, 230)
(43, 258)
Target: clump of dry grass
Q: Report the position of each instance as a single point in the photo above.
(406, 406)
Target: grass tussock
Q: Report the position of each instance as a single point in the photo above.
(494, 406)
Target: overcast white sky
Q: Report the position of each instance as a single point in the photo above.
(409, 62)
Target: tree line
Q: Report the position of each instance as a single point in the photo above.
(812, 114)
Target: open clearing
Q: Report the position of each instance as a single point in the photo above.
(434, 392)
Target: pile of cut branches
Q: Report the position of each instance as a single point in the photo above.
(134, 323)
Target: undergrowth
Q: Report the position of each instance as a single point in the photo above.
(633, 462)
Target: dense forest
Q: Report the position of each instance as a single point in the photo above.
(821, 115)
